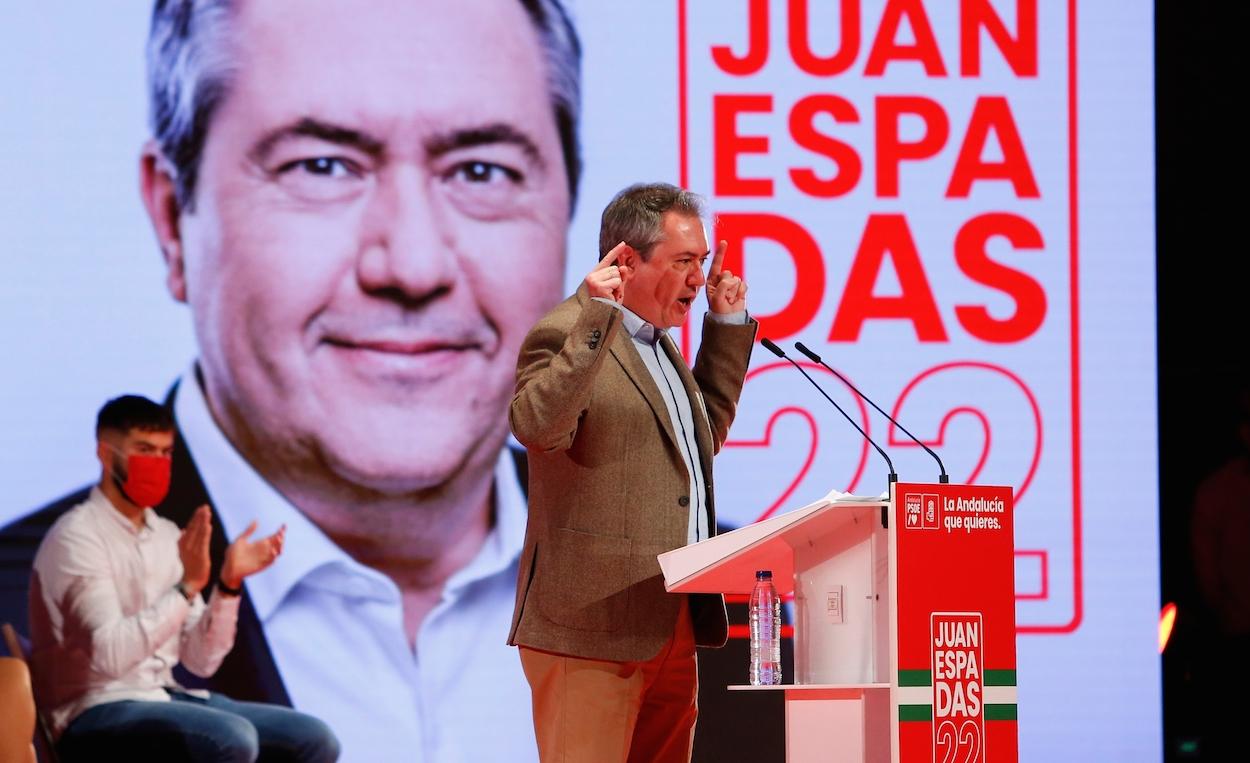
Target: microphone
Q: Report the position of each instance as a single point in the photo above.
(943, 478)
(774, 349)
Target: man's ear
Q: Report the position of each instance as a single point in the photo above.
(105, 454)
(158, 187)
(629, 257)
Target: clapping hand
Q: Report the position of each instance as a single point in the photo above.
(246, 557)
(193, 550)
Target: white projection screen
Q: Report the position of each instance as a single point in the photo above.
(951, 202)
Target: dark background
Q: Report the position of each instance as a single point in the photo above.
(1201, 50)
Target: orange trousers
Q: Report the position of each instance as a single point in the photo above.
(597, 711)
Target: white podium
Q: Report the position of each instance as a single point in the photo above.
(833, 556)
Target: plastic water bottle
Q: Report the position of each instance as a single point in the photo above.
(765, 616)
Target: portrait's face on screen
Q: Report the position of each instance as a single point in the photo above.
(380, 217)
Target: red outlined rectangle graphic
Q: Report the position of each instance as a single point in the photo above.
(683, 53)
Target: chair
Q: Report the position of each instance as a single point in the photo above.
(18, 728)
(17, 722)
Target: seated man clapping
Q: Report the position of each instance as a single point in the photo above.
(116, 603)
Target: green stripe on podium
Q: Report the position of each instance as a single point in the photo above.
(1000, 712)
(915, 712)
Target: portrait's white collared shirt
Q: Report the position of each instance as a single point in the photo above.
(336, 628)
(107, 623)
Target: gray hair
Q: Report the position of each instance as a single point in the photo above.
(190, 66)
(636, 216)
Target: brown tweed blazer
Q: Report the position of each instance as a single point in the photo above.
(608, 489)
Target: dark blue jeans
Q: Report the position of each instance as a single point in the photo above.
(193, 729)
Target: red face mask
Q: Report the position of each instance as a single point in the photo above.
(147, 479)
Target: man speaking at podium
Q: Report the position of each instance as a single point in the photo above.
(620, 435)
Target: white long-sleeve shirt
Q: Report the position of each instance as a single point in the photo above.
(107, 622)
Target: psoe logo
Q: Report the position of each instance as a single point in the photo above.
(912, 503)
(921, 511)
(958, 686)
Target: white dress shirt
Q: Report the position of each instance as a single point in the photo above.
(336, 628)
(107, 623)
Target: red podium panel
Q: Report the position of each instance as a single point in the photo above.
(956, 623)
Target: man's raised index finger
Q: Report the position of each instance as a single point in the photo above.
(611, 256)
(718, 258)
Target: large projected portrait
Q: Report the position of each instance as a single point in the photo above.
(364, 210)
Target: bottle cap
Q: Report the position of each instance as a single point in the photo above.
(763, 574)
